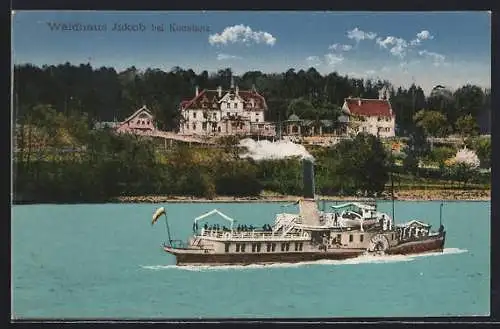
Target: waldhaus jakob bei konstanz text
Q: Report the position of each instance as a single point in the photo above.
(126, 27)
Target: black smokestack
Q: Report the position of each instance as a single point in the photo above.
(308, 179)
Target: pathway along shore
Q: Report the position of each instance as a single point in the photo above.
(410, 195)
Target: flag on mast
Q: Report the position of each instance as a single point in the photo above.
(157, 214)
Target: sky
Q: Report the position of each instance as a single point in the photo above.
(425, 48)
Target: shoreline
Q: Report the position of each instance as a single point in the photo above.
(409, 195)
(415, 195)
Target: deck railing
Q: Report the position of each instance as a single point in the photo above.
(252, 235)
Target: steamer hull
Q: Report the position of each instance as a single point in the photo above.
(431, 244)
(194, 258)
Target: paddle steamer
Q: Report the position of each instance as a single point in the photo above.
(346, 231)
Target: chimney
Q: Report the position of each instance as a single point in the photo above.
(308, 207)
(237, 89)
(219, 91)
(308, 179)
(359, 101)
(232, 82)
(197, 91)
(253, 88)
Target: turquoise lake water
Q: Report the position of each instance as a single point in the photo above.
(106, 261)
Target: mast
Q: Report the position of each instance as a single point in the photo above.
(168, 230)
(440, 213)
(392, 185)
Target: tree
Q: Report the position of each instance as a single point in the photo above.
(433, 123)
(417, 148)
(469, 100)
(361, 162)
(467, 126)
(301, 107)
(482, 147)
(464, 166)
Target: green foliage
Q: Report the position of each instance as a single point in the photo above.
(433, 123)
(482, 147)
(462, 173)
(467, 125)
(362, 163)
(440, 154)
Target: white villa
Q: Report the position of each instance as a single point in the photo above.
(228, 112)
(373, 116)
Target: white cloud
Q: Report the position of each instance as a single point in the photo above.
(337, 46)
(397, 45)
(359, 35)
(424, 35)
(437, 59)
(370, 72)
(223, 57)
(241, 34)
(333, 59)
(313, 60)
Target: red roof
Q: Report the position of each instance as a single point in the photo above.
(369, 107)
(209, 97)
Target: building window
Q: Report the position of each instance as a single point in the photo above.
(257, 120)
(215, 116)
(235, 105)
(296, 246)
(351, 238)
(205, 114)
(339, 238)
(194, 115)
(227, 247)
(243, 247)
(283, 247)
(268, 247)
(148, 121)
(287, 246)
(258, 247)
(194, 126)
(228, 114)
(218, 129)
(204, 126)
(237, 247)
(300, 246)
(361, 237)
(273, 246)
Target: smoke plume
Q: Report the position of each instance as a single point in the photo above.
(266, 150)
